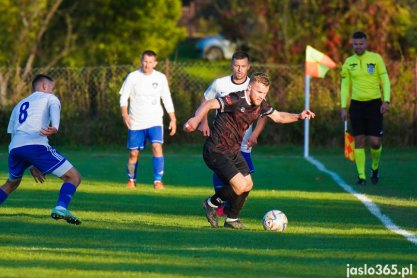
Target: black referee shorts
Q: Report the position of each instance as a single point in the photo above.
(366, 118)
(225, 165)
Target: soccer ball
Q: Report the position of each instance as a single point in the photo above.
(275, 220)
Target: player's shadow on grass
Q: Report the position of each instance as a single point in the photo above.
(130, 203)
(140, 238)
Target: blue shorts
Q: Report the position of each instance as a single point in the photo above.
(45, 158)
(136, 139)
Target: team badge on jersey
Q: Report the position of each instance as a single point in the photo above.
(242, 109)
(155, 85)
(228, 100)
(371, 68)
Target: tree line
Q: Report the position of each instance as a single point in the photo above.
(55, 35)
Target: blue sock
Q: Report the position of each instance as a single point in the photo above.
(65, 194)
(3, 196)
(131, 170)
(158, 168)
(248, 159)
(217, 183)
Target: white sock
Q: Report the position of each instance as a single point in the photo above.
(231, 219)
(210, 203)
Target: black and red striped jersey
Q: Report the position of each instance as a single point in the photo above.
(233, 118)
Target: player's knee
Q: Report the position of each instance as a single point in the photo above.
(239, 191)
(249, 186)
(11, 186)
(73, 177)
(375, 143)
(134, 154)
(245, 187)
(77, 177)
(157, 149)
(375, 146)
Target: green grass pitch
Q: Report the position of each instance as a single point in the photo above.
(148, 233)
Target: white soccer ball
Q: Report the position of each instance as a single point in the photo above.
(275, 220)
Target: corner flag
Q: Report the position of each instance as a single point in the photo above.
(349, 145)
(317, 63)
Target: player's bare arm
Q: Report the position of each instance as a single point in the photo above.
(125, 116)
(36, 174)
(172, 124)
(48, 131)
(260, 125)
(343, 114)
(204, 126)
(192, 124)
(384, 107)
(286, 118)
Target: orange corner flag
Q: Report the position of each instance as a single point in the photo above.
(317, 63)
(349, 147)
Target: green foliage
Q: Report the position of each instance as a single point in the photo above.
(120, 31)
(46, 33)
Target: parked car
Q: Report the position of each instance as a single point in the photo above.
(215, 48)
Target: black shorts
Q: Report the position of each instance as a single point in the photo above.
(225, 165)
(366, 118)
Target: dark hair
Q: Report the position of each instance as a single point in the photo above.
(239, 55)
(149, 53)
(39, 78)
(260, 77)
(359, 35)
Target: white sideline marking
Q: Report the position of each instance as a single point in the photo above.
(371, 206)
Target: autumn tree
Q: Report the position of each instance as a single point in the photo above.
(24, 25)
(277, 31)
(116, 32)
(48, 33)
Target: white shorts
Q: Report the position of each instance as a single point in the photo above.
(244, 146)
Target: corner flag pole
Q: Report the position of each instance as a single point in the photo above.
(316, 65)
(306, 121)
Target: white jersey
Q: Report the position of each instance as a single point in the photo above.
(30, 115)
(144, 94)
(224, 86)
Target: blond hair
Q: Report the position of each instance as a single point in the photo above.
(260, 77)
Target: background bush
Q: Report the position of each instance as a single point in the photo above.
(91, 112)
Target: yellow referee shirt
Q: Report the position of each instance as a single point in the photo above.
(363, 75)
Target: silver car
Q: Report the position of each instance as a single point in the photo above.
(215, 48)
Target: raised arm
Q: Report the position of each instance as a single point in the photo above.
(202, 111)
(286, 118)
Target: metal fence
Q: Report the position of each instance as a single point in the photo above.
(90, 100)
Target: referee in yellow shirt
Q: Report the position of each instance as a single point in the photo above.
(363, 76)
